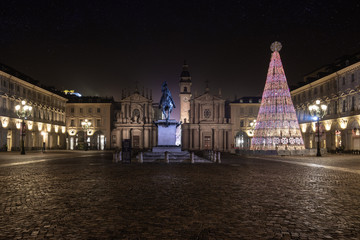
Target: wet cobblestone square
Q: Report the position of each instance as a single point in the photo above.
(243, 198)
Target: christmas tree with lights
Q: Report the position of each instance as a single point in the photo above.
(276, 127)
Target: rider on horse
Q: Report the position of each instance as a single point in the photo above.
(166, 101)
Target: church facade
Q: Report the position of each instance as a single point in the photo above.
(134, 120)
(205, 126)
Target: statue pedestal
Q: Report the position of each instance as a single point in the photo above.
(167, 136)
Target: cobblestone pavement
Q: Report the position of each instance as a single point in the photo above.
(74, 197)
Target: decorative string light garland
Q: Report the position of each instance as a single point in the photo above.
(277, 127)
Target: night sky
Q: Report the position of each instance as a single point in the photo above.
(101, 47)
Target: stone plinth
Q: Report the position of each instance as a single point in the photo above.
(167, 132)
(166, 149)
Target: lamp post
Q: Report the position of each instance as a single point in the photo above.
(23, 111)
(318, 111)
(252, 124)
(86, 125)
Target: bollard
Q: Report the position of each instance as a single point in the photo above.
(192, 157)
(214, 156)
(218, 158)
(167, 157)
(141, 159)
(120, 156)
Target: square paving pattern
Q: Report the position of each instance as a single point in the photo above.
(242, 198)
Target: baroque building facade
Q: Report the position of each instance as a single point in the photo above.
(205, 126)
(134, 120)
(98, 111)
(338, 86)
(46, 123)
(244, 112)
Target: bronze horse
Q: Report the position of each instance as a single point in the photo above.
(166, 101)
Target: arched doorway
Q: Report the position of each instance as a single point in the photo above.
(98, 141)
(80, 140)
(242, 140)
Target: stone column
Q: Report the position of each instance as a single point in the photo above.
(200, 139)
(190, 132)
(118, 141)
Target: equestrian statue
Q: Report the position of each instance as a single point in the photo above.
(166, 101)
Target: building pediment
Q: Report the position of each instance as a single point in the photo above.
(135, 98)
(208, 97)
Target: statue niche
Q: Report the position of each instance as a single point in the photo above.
(136, 116)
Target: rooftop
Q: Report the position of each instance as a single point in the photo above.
(247, 100)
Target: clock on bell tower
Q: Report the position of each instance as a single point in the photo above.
(185, 93)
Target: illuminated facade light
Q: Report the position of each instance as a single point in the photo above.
(5, 122)
(343, 123)
(72, 132)
(18, 124)
(44, 135)
(56, 128)
(30, 125)
(303, 128)
(40, 126)
(63, 129)
(250, 133)
(327, 125)
(48, 127)
(313, 126)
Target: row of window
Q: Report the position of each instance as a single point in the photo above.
(324, 88)
(97, 123)
(9, 87)
(247, 123)
(248, 110)
(335, 107)
(9, 105)
(89, 110)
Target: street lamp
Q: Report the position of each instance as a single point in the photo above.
(86, 125)
(252, 124)
(23, 111)
(318, 111)
(252, 128)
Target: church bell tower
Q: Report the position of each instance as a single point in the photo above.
(185, 94)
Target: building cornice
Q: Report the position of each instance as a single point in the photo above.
(326, 78)
(32, 86)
